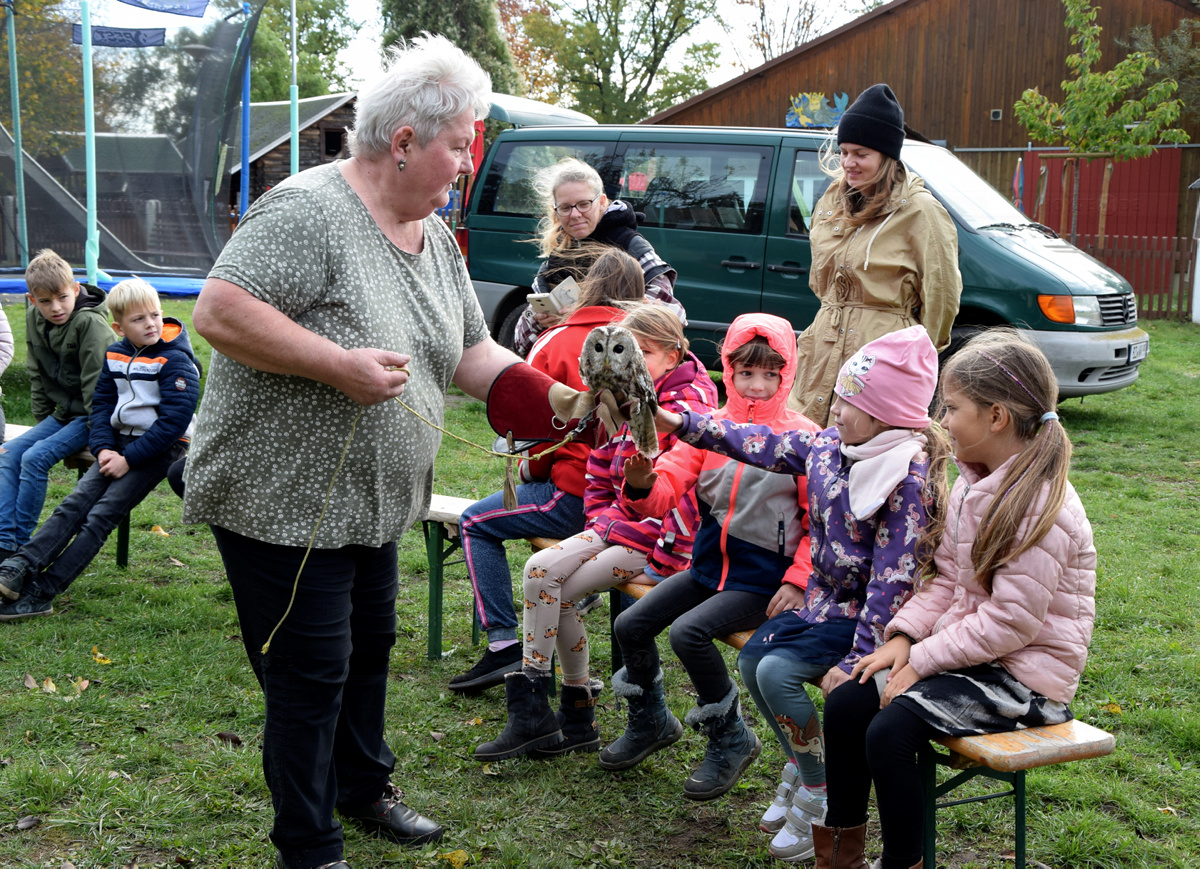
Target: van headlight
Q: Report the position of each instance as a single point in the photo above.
(1072, 310)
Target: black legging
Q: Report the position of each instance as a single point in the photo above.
(865, 744)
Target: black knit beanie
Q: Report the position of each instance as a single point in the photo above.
(874, 120)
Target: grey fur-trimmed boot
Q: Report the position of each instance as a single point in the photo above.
(731, 747)
(577, 717)
(650, 726)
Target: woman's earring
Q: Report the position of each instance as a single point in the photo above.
(400, 164)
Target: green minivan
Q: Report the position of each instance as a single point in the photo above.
(729, 209)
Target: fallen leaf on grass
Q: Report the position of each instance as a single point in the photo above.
(28, 822)
(112, 773)
(230, 738)
(30, 682)
(133, 865)
(487, 770)
(5, 761)
(80, 684)
(457, 859)
(1114, 708)
(184, 861)
(48, 686)
(437, 737)
(177, 563)
(474, 722)
(99, 658)
(1169, 810)
(67, 865)
(158, 529)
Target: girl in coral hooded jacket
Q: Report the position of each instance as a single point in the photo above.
(998, 638)
(751, 556)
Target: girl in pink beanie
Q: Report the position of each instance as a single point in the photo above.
(876, 486)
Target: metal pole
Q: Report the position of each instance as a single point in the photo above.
(18, 155)
(295, 93)
(244, 193)
(92, 245)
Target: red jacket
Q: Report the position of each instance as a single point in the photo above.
(667, 541)
(754, 531)
(556, 353)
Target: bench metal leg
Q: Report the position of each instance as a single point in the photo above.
(123, 543)
(438, 548)
(927, 762)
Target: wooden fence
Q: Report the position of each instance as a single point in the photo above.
(1160, 269)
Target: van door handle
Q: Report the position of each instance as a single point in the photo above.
(788, 270)
(740, 264)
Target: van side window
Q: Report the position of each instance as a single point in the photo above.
(809, 183)
(714, 188)
(508, 188)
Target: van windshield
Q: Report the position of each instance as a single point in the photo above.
(971, 199)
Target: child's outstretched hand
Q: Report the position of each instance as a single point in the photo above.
(667, 422)
(639, 472)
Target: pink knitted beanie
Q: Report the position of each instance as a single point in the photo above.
(893, 378)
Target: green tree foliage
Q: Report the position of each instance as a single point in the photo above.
(623, 60)
(1097, 114)
(472, 25)
(1178, 56)
(323, 29)
(50, 75)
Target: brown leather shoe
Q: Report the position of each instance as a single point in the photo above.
(839, 847)
(390, 818)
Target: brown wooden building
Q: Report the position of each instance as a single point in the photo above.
(323, 122)
(958, 66)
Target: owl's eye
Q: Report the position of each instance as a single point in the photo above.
(598, 346)
(618, 348)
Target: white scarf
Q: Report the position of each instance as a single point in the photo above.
(879, 466)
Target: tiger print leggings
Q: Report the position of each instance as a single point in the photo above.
(554, 579)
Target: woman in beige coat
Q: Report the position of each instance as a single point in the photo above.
(884, 251)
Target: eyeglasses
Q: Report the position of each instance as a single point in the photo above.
(583, 206)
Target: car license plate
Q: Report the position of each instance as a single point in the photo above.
(1138, 351)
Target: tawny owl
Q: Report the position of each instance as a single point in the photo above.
(612, 360)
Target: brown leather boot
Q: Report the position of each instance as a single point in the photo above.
(840, 847)
(878, 864)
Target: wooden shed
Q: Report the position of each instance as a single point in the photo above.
(958, 66)
(323, 123)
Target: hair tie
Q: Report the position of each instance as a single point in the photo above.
(1048, 415)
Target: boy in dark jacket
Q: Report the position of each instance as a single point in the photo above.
(66, 332)
(143, 411)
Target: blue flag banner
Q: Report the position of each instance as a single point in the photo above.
(121, 37)
(194, 8)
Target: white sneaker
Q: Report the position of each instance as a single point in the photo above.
(794, 842)
(772, 819)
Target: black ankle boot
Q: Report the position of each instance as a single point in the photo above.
(577, 718)
(531, 724)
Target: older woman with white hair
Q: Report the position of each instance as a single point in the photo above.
(339, 291)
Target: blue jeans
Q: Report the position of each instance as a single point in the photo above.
(68, 541)
(24, 468)
(324, 680)
(543, 510)
(697, 615)
(778, 683)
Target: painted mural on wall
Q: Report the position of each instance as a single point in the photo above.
(814, 110)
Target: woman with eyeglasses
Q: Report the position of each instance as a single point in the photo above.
(580, 222)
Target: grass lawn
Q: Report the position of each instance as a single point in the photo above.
(156, 762)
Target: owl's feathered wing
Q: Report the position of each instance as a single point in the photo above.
(612, 360)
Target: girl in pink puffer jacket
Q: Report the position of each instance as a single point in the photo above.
(998, 638)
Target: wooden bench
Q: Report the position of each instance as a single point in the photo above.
(1003, 757)
(442, 541)
(80, 462)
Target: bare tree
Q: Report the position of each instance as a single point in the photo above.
(776, 27)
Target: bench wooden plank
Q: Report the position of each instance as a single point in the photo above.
(447, 509)
(1033, 747)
